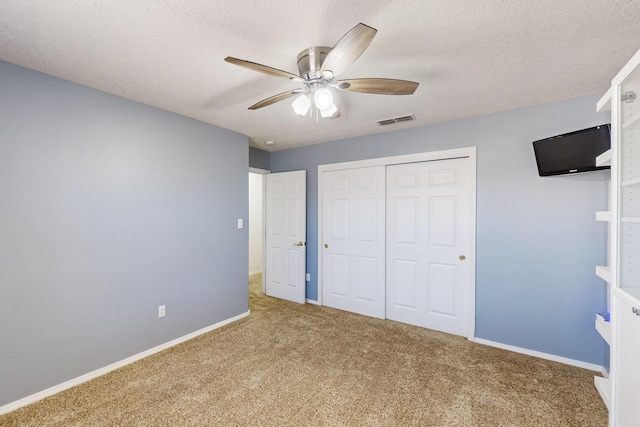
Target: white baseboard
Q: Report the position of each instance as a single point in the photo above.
(546, 356)
(312, 301)
(98, 372)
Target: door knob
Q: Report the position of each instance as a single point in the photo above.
(298, 244)
(462, 257)
(326, 246)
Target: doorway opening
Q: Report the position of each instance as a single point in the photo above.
(256, 224)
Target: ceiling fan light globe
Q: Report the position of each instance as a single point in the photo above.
(301, 105)
(329, 111)
(323, 98)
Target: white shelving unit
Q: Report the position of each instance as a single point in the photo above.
(604, 272)
(603, 385)
(630, 182)
(621, 390)
(604, 328)
(602, 325)
(631, 122)
(604, 159)
(604, 103)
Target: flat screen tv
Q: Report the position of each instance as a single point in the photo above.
(572, 152)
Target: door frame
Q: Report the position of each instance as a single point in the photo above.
(264, 217)
(455, 153)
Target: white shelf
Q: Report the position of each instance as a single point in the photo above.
(604, 273)
(630, 182)
(634, 120)
(634, 292)
(604, 328)
(630, 219)
(603, 385)
(603, 216)
(630, 295)
(604, 159)
(604, 104)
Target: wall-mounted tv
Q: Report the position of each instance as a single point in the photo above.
(572, 152)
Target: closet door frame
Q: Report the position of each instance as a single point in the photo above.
(469, 152)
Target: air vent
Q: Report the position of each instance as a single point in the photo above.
(396, 120)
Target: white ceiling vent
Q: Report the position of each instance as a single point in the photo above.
(396, 120)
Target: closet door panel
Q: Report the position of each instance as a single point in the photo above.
(428, 207)
(353, 218)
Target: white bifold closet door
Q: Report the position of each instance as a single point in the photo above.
(427, 277)
(353, 259)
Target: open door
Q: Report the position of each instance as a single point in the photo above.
(286, 235)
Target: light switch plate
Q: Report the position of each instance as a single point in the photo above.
(240, 223)
(308, 277)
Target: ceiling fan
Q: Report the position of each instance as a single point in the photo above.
(319, 66)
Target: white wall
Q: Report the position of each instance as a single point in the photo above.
(255, 223)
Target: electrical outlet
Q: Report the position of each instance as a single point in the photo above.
(240, 223)
(308, 277)
(161, 311)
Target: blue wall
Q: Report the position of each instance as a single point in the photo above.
(258, 158)
(537, 238)
(110, 208)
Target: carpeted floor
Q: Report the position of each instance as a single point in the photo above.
(298, 365)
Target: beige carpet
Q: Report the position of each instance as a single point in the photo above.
(297, 365)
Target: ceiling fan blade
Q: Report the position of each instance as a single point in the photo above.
(262, 68)
(276, 98)
(348, 49)
(378, 86)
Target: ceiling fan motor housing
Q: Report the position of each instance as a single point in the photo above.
(310, 61)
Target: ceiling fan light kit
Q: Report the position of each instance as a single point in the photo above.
(322, 101)
(302, 104)
(329, 112)
(323, 98)
(318, 66)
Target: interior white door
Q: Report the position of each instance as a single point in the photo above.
(428, 209)
(353, 259)
(285, 235)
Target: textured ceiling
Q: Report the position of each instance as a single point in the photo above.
(471, 57)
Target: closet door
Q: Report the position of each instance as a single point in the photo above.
(353, 259)
(428, 208)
